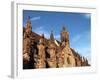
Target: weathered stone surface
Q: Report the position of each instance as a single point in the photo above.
(39, 52)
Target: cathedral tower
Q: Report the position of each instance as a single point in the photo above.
(64, 37)
(27, 44)
(28, 27)
(69, 60)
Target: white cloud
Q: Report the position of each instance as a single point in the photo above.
(32, 19)
(83, 36)
(82, 45)
(57, 37)
(40, 30)
(76, 38)
(35, 18)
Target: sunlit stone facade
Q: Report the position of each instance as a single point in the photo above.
(39, 52)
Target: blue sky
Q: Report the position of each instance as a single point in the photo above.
(77, 24)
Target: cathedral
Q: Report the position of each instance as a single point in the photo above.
(39, 52)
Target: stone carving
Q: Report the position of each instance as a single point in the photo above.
(39, 52)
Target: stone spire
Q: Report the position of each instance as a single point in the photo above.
(52, 36)
(28, 26)
(28, 20)
(64, 29)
